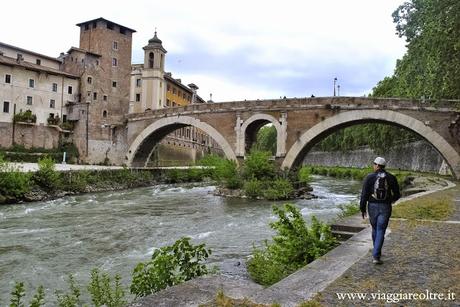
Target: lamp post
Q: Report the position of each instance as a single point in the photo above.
(335, 81)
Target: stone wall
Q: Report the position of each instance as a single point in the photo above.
(29, 135)
(418, 156)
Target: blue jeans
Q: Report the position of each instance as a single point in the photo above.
(379, 216)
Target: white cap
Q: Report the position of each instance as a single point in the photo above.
(380, 161)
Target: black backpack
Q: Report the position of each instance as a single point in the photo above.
(380, 187)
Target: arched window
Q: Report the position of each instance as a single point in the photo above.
(162, 61)
(151, 60)
(104, 114)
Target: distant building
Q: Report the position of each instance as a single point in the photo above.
(91, 88)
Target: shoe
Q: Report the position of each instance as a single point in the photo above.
(377, 261)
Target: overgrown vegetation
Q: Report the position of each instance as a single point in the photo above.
(294, 245)
(13, 183)
(349, 209)
(169, 266)
(26, 117)
(257, 177)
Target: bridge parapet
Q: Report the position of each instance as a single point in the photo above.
(346, 103)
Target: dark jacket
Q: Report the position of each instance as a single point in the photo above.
(368, 189)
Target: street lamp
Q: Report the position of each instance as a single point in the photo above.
(335, 81)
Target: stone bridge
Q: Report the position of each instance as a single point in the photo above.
(300, 124)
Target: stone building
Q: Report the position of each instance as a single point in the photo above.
(152, 88)
(91, 88)
(33, 82)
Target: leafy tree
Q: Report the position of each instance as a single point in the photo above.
(266, 139)
(431, 66)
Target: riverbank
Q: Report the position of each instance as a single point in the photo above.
(412, 264)
(31, 182)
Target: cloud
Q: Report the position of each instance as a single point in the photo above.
(290, 48)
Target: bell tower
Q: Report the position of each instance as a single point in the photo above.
(153, 83)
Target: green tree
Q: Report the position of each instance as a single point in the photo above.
(431, 66)
(266, 139)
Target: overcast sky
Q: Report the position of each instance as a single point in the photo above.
(234, 49)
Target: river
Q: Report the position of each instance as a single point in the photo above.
(40, 243)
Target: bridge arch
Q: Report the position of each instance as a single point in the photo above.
(255, 122)
(142, 146)
(316, 133)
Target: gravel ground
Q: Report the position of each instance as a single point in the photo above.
(418, 257)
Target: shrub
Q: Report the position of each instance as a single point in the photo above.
(47, 177)
(304, 175)
(294, 245)
(72, 297)
(253, 188)
(26, 116)
(222, 170)
(13, 183)
(258, 165)
(170, 265)
(103, 293)
(19, 292)
(278, 189)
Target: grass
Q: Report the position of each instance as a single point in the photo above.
(435, 206)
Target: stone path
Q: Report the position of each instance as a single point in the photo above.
(418, 257)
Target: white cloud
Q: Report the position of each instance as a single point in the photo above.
(289, 39)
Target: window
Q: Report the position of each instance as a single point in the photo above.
(86, 27)
(69, 89)
(54, 87)
(38, 61)
(114, 83)
(104, 97)
(89, 80)
(52, 103)
(151, 57)
(114, 62)
(104, 114)
(138, 97)
(110, 26)
(31, 83)
(6, 107)
(168, 103)
(94, 25)
(94, 96)
(174, 90)
(29, 100)
(88, 94)
(115, 45)
(168, 88)
(138, 82)
(7, 78)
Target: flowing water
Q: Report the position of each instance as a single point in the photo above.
(40, 243)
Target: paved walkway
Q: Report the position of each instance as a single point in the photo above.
(33, 167)
(419, 257)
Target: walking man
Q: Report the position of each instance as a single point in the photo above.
(380, 190)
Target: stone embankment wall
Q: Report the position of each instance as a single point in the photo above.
(417, 156)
